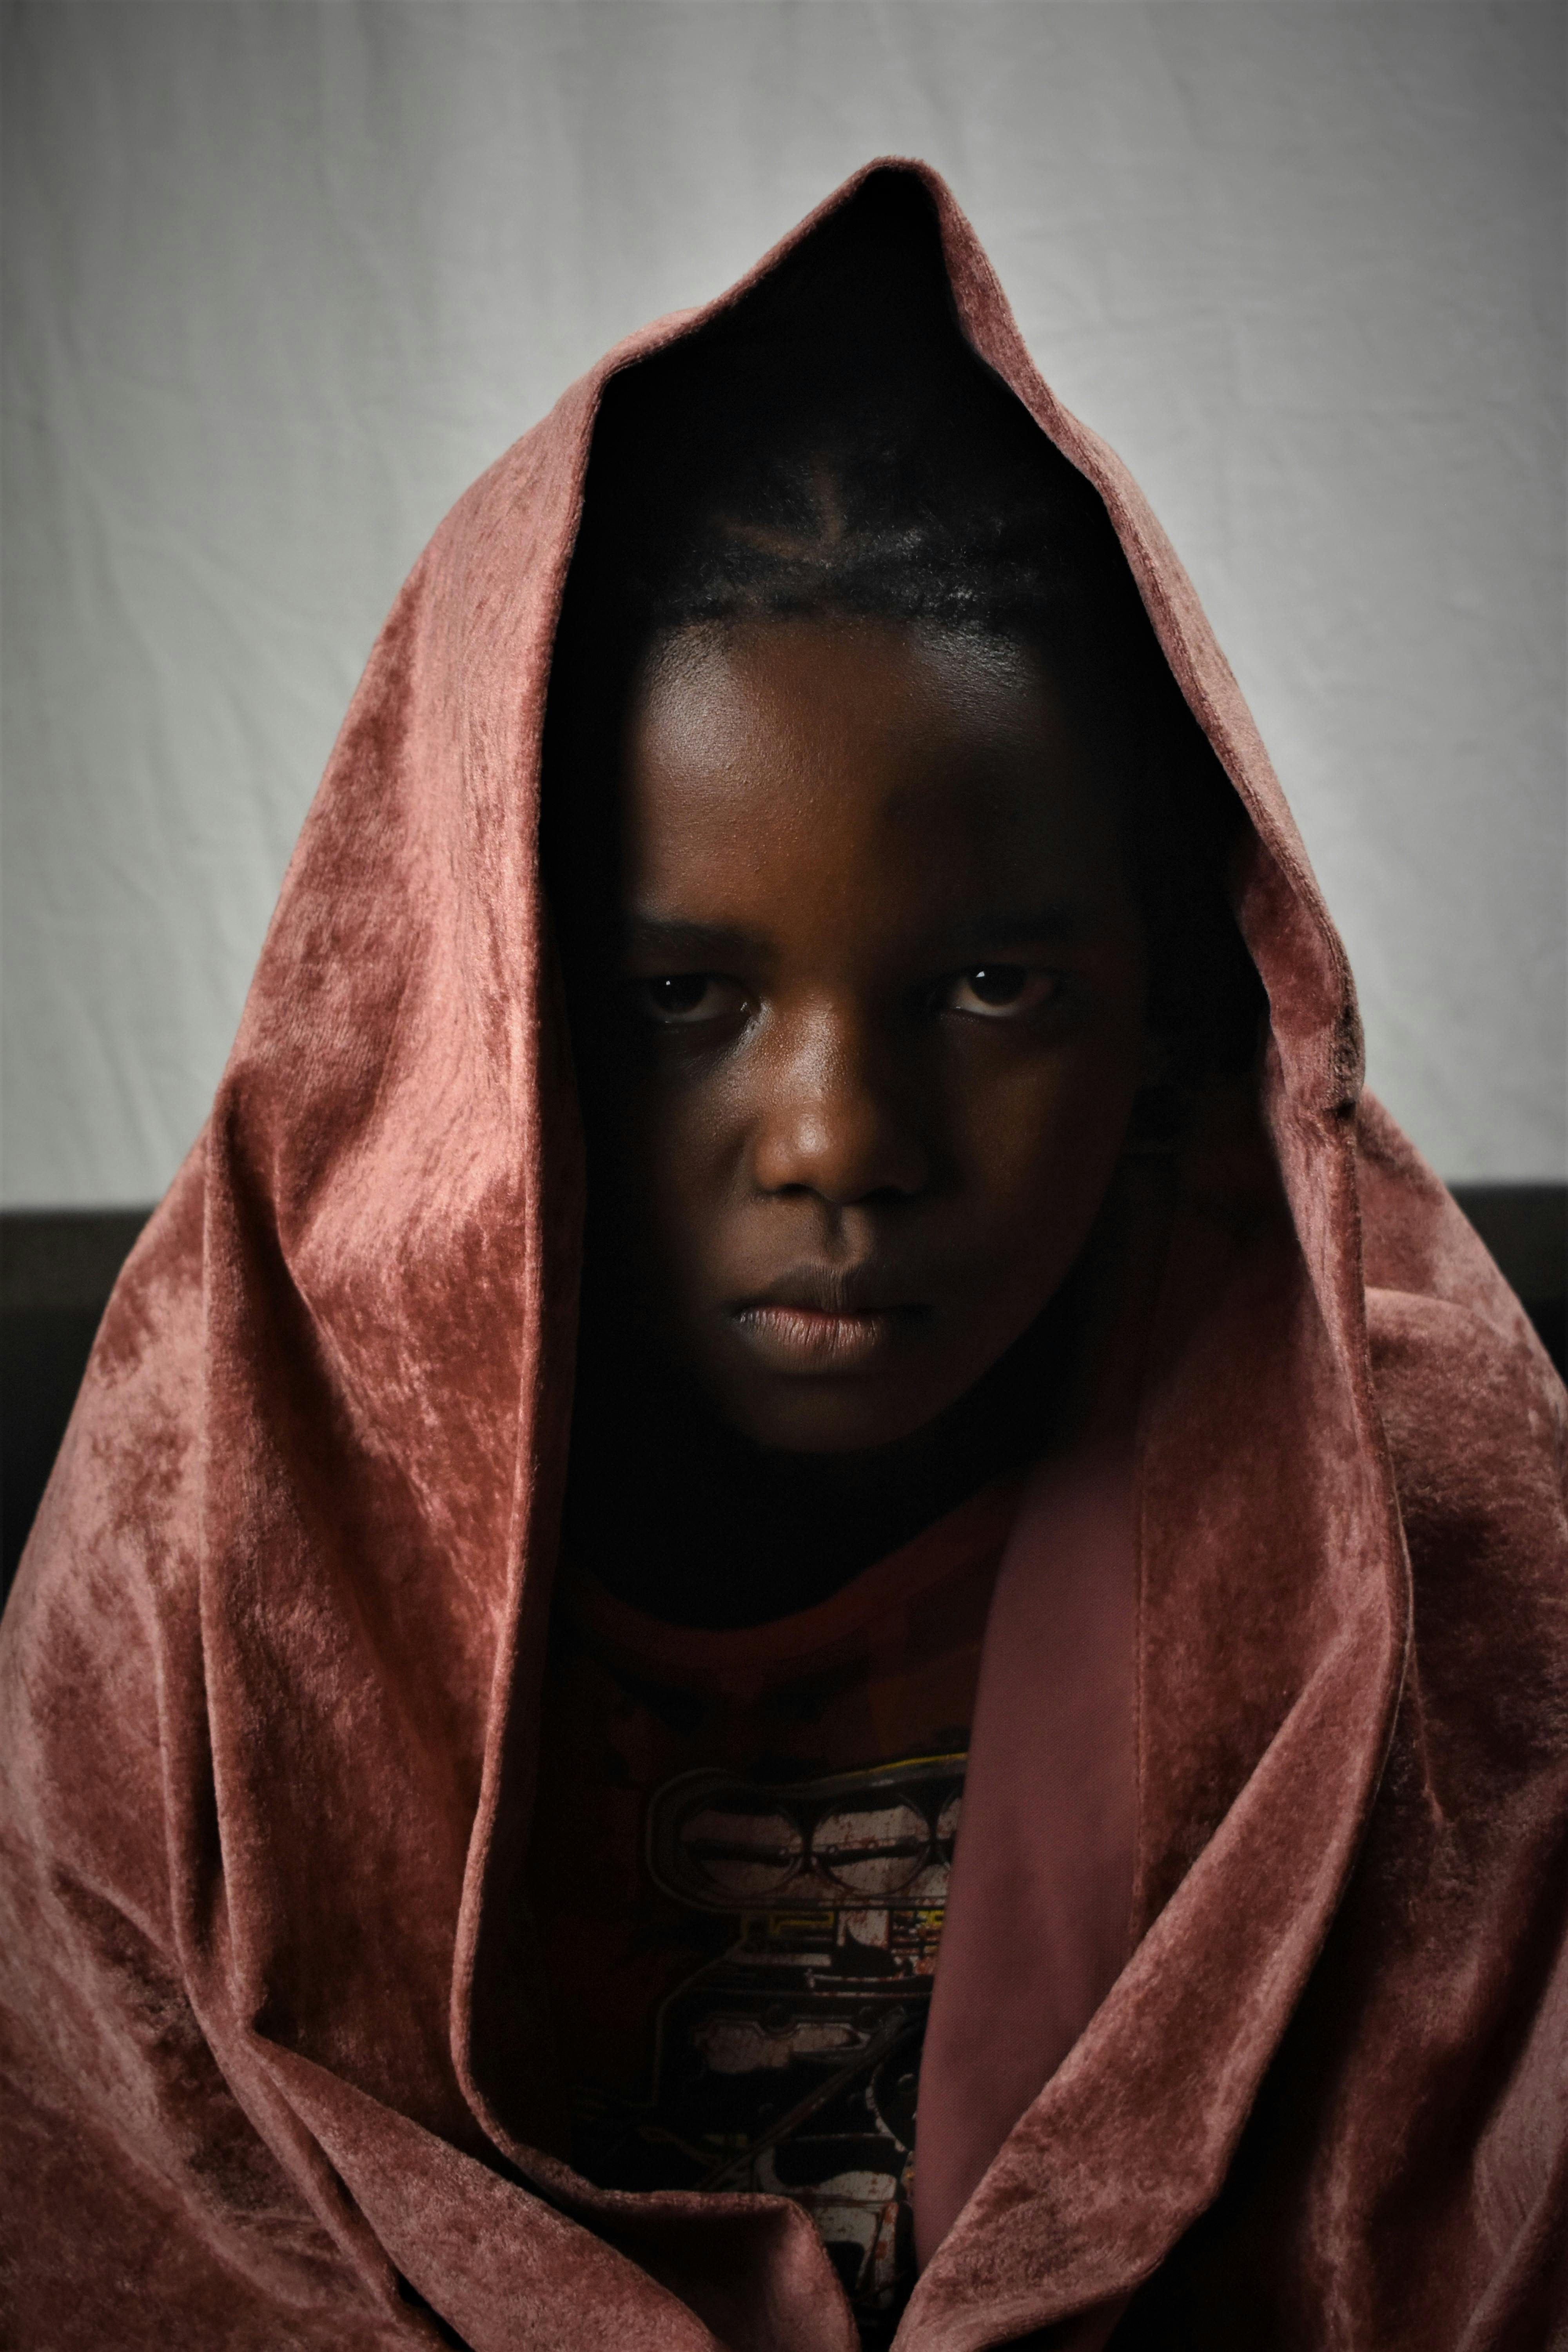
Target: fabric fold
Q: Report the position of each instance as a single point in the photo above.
(280, 2067)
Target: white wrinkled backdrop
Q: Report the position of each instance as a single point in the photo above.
(281, 279)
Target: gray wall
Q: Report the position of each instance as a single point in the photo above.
(282, 279)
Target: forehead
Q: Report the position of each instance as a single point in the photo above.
(859, 759)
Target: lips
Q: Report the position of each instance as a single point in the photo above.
(823, 1320)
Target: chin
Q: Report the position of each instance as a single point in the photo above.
(832, 1418)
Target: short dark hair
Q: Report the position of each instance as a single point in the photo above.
(832, 445)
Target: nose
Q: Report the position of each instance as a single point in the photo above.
(835, 1119)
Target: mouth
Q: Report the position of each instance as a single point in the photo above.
(819, 1320)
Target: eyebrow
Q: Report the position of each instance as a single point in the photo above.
(705, 945)
(1063, 924)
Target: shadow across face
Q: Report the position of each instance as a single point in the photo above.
(877, 837)
(858, 1079)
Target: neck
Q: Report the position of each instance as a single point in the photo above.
(678, 1514)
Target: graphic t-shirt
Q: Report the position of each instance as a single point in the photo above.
(740, 1871)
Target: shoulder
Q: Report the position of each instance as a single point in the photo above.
(108, 1581)
(122, 1485)
(1468, 1393)
(1476, 1420)
(1474, 1416)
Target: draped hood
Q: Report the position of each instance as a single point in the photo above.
(279, 2044)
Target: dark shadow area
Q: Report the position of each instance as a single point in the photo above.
(58, 1268)
(1525, 1226)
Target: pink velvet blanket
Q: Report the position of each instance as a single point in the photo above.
(278, 2058)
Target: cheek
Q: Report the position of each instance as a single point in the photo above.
(1039, 1142)
(669, 1153)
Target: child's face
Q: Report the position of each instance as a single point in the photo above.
(886, 985)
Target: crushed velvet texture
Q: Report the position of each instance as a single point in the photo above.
(279, 2069)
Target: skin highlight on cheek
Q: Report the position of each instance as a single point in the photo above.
(881, 1019)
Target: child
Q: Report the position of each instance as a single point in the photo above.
(944, 1715)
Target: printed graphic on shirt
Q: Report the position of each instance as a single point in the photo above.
(790, 2063)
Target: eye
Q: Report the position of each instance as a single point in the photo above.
(1000, 992)
(679, 1000)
